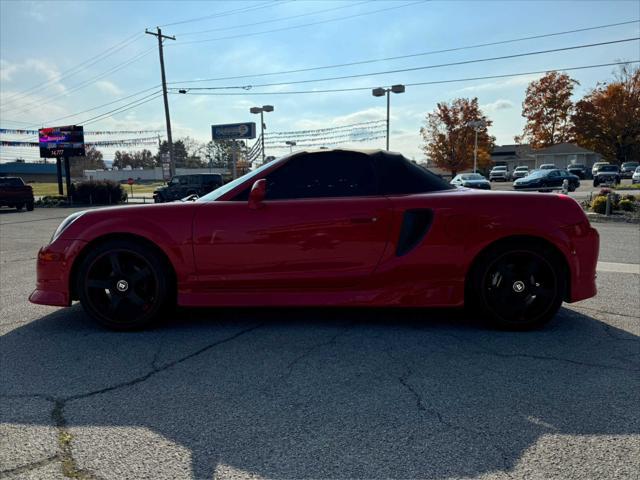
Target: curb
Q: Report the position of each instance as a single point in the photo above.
(599, 218)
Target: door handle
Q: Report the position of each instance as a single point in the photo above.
(364, 219)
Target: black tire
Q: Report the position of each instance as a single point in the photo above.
(19, 207)
(30, 206)
(517, 285)
(125, 285)
(158, 199)
(596, 183)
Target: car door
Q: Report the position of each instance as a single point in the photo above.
(322, 225)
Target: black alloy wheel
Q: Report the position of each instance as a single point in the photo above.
(124, 285)
(519, 288)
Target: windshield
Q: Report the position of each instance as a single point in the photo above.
(576, 165)
(500, 168)
(630, 164)
(218, 192)
(538, 173)
(609, 168)
(522, 169)
(472, 176)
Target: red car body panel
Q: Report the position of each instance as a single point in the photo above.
(288, 254)
(329, 251)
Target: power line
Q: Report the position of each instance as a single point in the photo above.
(301, 25)
(74, 70)
(400, 57)
(413, 69)
(85, 83)
(33, 125)
(307, 14)
(226, 13)
(435, 82)
(123, 108)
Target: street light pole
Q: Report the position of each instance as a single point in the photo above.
(476, 125)
(379, 92)
(291, 144)
(475, 153)
(261, 110)
(388, 108)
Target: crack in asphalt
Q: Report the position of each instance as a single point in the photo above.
(28, 467)
(332, 340)
(420, 405)
(485, 351)
(65, 438)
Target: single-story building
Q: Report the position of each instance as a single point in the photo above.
(561, 155)
(31, 172)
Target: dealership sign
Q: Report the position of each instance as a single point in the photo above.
(233, 131)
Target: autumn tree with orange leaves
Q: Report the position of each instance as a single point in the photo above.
(449, 140)
(607, 119)
(548, 108)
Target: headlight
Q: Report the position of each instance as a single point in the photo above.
(65, 224)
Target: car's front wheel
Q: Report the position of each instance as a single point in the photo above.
(124, 285)
(518, 286)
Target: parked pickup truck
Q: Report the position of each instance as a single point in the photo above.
(15, 194)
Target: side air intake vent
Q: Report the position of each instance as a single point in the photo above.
(415, 225)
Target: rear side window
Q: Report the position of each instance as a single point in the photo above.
(400, 176)
(322, 175)
(11, 182)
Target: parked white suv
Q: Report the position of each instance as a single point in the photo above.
(636, 176)
(499, 172)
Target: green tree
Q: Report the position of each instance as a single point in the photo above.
(92, 160)
(219, 153)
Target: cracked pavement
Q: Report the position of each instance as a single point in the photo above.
(317, 393)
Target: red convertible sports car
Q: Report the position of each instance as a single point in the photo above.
(327, 228)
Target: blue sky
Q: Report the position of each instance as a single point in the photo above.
(41, 40)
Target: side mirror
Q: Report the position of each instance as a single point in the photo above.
(257, 194)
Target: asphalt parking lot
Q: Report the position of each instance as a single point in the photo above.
(309, 393)
(583, 192)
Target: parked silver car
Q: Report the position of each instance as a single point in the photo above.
(636, 176)
(471, 180)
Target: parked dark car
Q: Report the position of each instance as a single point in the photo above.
(628, 168)
(579, 170)
(607, 174)
(15, 194)
(182, 186)
(546, 180)
(471, 180)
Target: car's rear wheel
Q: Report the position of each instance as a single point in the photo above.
(124, 285)
(19, 206)
(518, 286)
(30, 206)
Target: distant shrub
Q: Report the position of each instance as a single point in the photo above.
(599, 204)
(101, 192)
(52, 201)
(631, 198)
(627, 205)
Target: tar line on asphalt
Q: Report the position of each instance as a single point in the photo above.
(618, 267)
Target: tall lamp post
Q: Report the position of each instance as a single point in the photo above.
(261, 110)
(381, 92)
(476, 125)
(291, 143)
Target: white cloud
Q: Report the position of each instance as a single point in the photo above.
(500, 104)
(500, 84)
(7, 70)
(108, 87)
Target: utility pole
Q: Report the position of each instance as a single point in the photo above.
(172, 164)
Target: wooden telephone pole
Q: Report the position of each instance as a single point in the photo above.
(164, 93)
